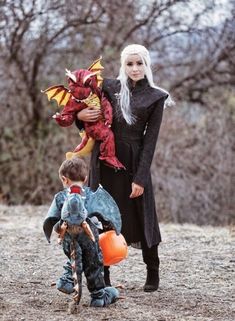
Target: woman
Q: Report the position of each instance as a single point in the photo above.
(137, 114)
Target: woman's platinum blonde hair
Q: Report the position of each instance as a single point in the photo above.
(143, 53)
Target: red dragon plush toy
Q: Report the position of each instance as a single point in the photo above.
(84, 90)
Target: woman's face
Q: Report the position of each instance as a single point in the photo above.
(134, 67)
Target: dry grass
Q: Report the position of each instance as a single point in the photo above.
(197, 275)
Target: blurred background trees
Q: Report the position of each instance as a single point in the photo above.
(192, 44)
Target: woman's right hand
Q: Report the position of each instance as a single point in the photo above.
(89, 114)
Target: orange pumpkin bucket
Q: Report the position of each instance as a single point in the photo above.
(113, 247)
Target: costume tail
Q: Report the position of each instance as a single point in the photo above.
(83, 143)
(112, 161)
(77, 274)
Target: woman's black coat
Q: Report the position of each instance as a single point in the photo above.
(135, 145)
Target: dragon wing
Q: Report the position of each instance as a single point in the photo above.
(101, 202)
(58, 92)
(97, 68)
(54, 213)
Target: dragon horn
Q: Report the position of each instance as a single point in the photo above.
(90, 75)
(70, 75)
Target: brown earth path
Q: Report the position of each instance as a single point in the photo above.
(197, 275)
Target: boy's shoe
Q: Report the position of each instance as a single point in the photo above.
(65, 283)
(104, 297)
(65, 286)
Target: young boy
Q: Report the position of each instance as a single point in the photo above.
(79, 237)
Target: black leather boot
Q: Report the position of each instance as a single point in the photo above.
(151, 259)
(107, 276)
(152, 281)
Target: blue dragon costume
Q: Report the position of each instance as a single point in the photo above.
(77, 215)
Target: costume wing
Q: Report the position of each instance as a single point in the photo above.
(97, 68)
(58, 92)
(54, 213)
(101, 202)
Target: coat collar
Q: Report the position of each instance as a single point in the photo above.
(140, 84)
(151, 95)
(75, 189)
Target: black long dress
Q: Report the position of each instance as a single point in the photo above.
(135, 145)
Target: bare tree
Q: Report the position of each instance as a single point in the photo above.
(193, 57)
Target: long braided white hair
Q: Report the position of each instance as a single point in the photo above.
(124, 95)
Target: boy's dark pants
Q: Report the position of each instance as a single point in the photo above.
(89, 256)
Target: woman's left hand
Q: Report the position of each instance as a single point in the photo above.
(137, 190)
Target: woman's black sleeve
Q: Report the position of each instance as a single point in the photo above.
(149, 144)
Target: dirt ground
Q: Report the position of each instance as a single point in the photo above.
(197, 275)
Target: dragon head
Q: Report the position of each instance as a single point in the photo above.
(82, 83)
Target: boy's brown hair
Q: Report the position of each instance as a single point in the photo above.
(74, 169)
